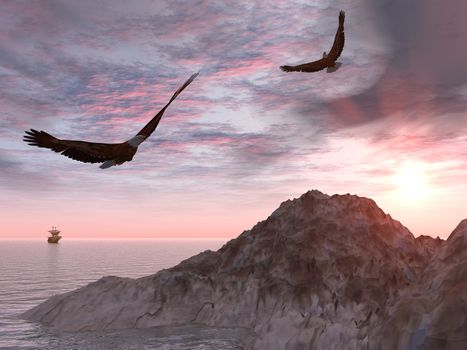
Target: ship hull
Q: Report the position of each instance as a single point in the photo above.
(54, 239)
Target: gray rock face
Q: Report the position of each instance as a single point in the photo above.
(322, 272)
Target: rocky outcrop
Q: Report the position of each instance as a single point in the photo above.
(432, 314)
(322, 272)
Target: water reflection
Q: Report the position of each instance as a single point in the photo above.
(32, 271)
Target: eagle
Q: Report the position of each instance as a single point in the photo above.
(329, 60)
(109, 154)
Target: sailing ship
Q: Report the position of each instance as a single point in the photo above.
(55, 235)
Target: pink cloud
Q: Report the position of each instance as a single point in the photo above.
(99, 70)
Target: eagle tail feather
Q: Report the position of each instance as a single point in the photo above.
(107, 164)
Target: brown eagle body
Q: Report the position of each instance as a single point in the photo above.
(328, 61)
(107, 153)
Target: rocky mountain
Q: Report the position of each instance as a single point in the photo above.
(322, 272)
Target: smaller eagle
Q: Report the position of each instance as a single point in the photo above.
(108, 154)
(329, 60)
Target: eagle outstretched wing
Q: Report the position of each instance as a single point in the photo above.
(152, 125)
(87, 152)
(93, 152)
(328, 60)
(314, 66)
(339, 40)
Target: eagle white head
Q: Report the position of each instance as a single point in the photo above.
(136, 141)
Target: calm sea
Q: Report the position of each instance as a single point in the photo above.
(32, 271)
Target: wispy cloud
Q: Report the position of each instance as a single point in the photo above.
(243, 130)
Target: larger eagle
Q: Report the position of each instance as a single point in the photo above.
(329, 60)
(108, 154)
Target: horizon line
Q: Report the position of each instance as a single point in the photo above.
(126, 239)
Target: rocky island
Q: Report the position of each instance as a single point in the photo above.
(321, 272)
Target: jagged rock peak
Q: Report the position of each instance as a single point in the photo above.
(428, 244)
(347, 212)
(314, 199)
(455, 247)
(459, 231)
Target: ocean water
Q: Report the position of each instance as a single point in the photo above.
(32, 271)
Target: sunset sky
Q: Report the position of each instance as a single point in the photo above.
(390, 124)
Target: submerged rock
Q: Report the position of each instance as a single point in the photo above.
(322, 272)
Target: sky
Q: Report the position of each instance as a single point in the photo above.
(389, 124)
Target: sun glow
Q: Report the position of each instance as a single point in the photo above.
(411, 182)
